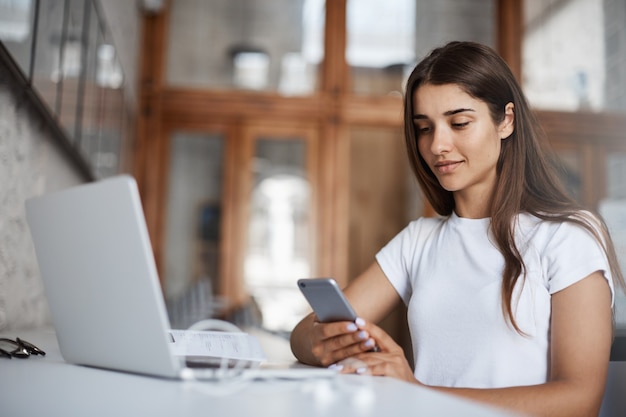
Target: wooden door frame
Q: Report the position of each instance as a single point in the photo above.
(333, 109)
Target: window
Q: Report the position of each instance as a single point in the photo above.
(71, 66)
(265, 45)
(573, 55)
(383, 46)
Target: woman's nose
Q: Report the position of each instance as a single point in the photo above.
(442, 142)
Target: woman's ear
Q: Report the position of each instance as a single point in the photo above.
(507, 126)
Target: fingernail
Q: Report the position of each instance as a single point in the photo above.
(361, 370)
(352, 327)
(370, 343)
(359, 321)
(363, 334)
(336, 367)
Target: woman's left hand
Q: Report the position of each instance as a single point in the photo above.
(387, 360)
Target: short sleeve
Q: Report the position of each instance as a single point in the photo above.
(390, 260)
(399, 257)
(571, 254)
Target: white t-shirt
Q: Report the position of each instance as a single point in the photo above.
(449, 273)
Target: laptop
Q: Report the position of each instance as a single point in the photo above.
(101, 282)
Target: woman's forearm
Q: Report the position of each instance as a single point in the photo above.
(554, 399)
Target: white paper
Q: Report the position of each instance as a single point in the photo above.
(216, 344)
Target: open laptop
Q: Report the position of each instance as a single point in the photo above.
(101, 281)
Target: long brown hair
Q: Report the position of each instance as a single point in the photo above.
(526, 177)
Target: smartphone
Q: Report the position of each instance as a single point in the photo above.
(326, 299)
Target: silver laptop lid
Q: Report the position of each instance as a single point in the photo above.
(100, 278)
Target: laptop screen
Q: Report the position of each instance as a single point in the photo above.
(100, 277)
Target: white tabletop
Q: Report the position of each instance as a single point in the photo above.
(47, 386)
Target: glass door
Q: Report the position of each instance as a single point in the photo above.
(192, 229)
(279, 240)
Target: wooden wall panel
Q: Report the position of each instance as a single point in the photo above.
(509, 26)
(148, 168)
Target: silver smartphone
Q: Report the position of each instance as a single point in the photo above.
(326, 299)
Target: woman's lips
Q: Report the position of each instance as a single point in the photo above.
(446, 167)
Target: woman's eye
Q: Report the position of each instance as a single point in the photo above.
(423, 129)
(460, 125)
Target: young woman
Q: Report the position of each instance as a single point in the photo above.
(510, 290)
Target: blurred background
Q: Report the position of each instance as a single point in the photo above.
(266, 136)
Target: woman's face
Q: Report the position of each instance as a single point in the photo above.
(458, 139)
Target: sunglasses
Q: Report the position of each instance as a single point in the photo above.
(18, 348)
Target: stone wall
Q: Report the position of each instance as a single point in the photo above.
(32, 163)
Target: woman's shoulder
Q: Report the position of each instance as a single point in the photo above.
(575, 219)
(576, 225)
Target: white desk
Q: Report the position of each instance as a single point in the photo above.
(47, 386)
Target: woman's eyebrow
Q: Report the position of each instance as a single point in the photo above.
(453, 112)
(448, 113)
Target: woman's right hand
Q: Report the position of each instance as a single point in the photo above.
(333, 342)
(316, 343)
